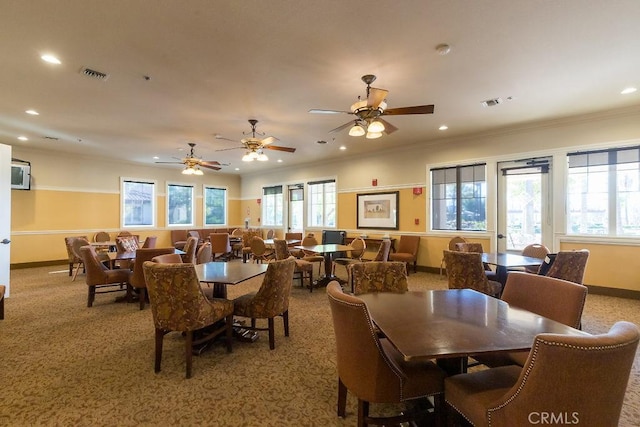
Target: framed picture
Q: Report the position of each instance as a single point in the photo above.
(378, 210)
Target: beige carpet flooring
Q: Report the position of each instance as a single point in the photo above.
(65, 364)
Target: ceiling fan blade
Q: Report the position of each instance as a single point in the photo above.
(232, 148)
(316, 111)
(268, 140)
(278, 148)
(215, 168)
(376, 96)
(418, 109)
(344, 126)
(172, 163)
(210, 162)
(226, 139)
(388, 127)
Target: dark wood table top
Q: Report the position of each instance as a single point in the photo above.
(509, 260)
(455, 323)
(325, 249)
(229, 273)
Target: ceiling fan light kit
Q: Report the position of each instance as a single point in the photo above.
(254, 146)
(192, 163)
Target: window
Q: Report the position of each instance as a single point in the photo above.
(215, 206)
(603, 192)
(458, 198)
(272, 206)
(322, 203)
(138, 203)
(179, 204)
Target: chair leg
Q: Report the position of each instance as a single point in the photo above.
(75, 273)
(363, 412)
(188, 347)
(272, 338)
(229, 335)
(70, 269)
(285, 320)
(342, 399)
(415, 266)
(143, 297)
(1, 307)
(92, 296)
(159, 338)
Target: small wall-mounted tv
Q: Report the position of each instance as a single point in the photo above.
(20, 175)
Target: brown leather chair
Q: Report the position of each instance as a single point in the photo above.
(178, 304)
(579, 380)
(136, 277)
(204, 253)
(150, 242)
(407, 251)
(74, 258)
(569, 265)
(378, 276)
(371, 368)
(534, 250)
(220, 246)
(466, 271)
(168, 259)
(179, 238)
(271, 300)
(303, 268)
(554, 299)
(190, 249)
(78, 242)
(99, 277)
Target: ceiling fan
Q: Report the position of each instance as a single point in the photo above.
(369, 113)
(254, 146)
(192, 163)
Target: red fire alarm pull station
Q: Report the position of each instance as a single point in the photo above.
(417, 221)
(417, 191)
(258, 201)
(374, 182)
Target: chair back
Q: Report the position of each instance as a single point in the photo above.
(101, 236)
(94, 269)
(281, 249)
(469, 247)
(584, 377)
(309, 240)
(124, 233)
(270, 234)
(293, 236)
(78, 243)
(204, 253)
(237, 232)
(535, 250)
(126, 243)
(68, 243)
(554, 299)
(383, 251)
(247, 235)
(359, 246)
(377, 276)
(273, 295)
(466, 271)
(258, 248)
(453, 243)
(569, 265)
(177, 301)
(142, 255)
(363, 367)
(220, 243)
(190, 249)
(150, 242)
(409, 245)
(168, 259)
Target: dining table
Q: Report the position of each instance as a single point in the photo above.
(327, 250)
(221, 274)
(505, 260)
(451, 325)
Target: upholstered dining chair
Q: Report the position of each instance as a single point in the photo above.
(167, 259)
(178, 304)
(378, 276)
(554, 299)
(259, 251)
(371, 368)
(190, 249)
(136, 276)
(99, 278)
(407, 251)
(271, 233)
(465, 270)
(220, 246)
(578, 380)
(383, 251)
(569, 265)
(476, 247)
(74, 258)
(2, 291)
(355, 255)
(78, 242)
(150, 242)
(452, 247)
(303, 268)
(204, 253)
(101, 236)
(271, 300)
(534, 250)
(247, 235)
(313, 257)
(294, 236)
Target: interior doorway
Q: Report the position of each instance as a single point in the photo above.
(296, 209)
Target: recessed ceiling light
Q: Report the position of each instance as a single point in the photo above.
(23, 138)
(156, 158)
(32, 112)
(279, 160)
(50, 59)
(628, 90)
(342, 147)
(443, 127)
(237, 169)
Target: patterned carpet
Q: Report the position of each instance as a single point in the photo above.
(66, 364)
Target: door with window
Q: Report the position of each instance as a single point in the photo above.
(5, 215)
(524, 204)
(296, 208)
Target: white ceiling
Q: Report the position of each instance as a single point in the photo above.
(215, 64)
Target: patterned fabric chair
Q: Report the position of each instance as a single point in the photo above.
(359, 247)
(190, 249)
(453, 246)
(74, 258)
(259, 251)
(99, 277)
(554, 299)
(310, 240)
(569, 265)
(178, 304)
(477, 248)
(101, 236)
(126, 243)
(136, 277)
(581, 379)
(271, 300)
(204, 253)
(378, 276)
(535, 250)
(371, 369)
(407, 251)
(303, 268)
(247, 235)
(465, 270)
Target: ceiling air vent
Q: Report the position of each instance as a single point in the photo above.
(491, 102)
(94, 74)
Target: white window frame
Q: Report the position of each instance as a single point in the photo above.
(272, 201)
(204, 205)
(323, 204)
(123, 208)
(191, 223)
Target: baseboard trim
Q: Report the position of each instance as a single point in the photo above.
(38, 264)
(613, 292)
